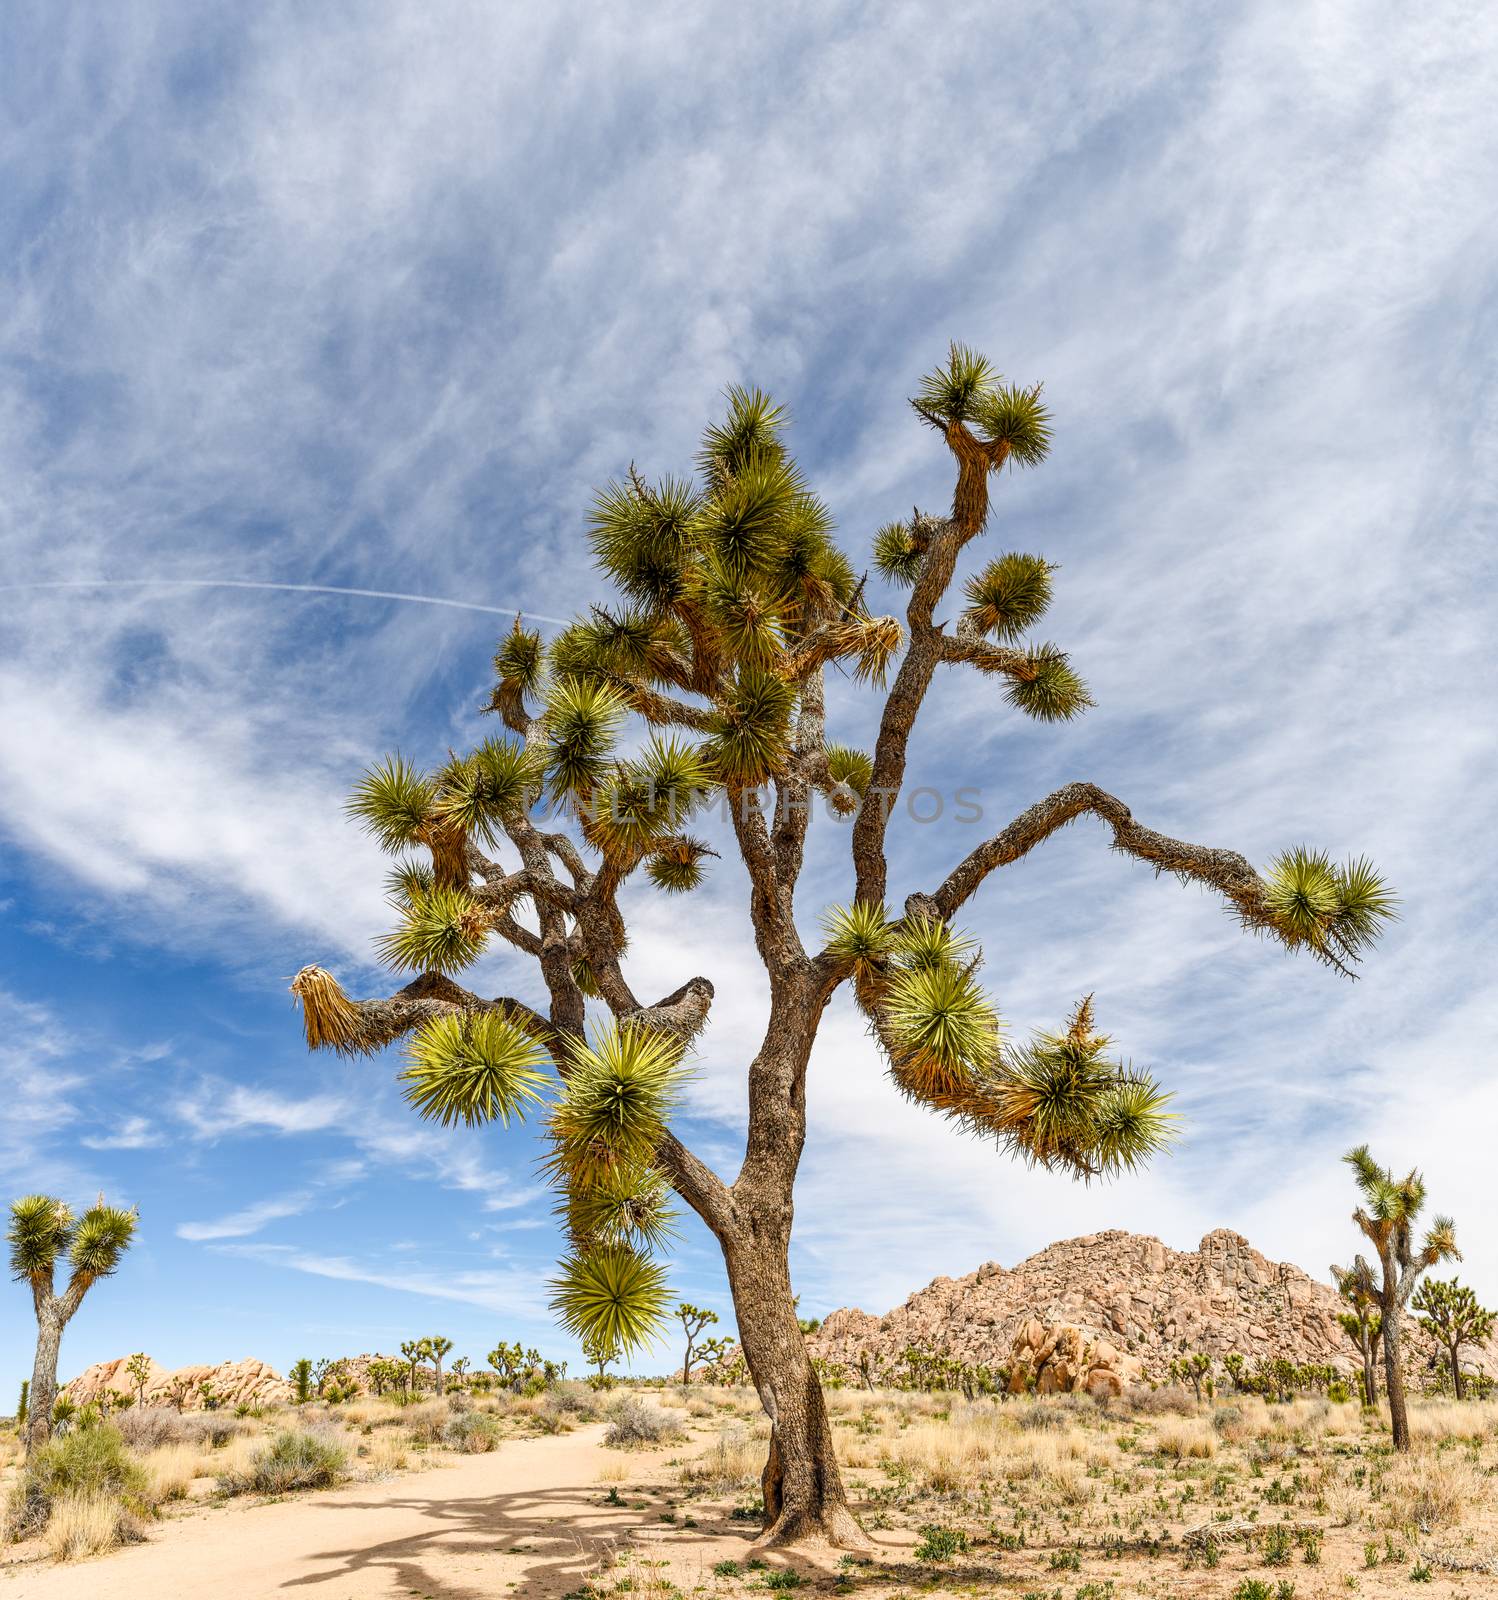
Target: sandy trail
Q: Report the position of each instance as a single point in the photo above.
(449, 1533)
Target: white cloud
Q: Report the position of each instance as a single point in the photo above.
(238, 1224)
(215, 1110)
(133, 1133)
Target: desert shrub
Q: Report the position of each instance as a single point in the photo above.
(89, 1524)
(940, 1543)
(292, 1460)
(732, 1463)
(471, 1432)
(1160, 1402)
(633, 1425)
(150, 1427)
(1432, 1489)
(170, 1470)
(1186, 1437)
(572, 1400)
(88, 1464)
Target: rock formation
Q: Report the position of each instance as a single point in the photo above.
(1129, 1292)
(232, 1383)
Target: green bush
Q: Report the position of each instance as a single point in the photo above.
(471, 1432)
(92, 1461)
(940, 1544)
(289, 1461)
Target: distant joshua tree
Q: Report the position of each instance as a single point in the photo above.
(460, 1371)
(1450, 1314)
(1387, 1220)
(437, 1348)
(301, 1380)
(693, 1320)
(415, 1351)
(43, 1234)
(734, 603)
(1362, 1322)
(138, 1370)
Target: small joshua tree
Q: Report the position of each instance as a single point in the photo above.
(735, 602)
(1197, 1369)
(507, 1361)
(301, 1380)
(1362, 1323)
(1392, 1206)
(1450, 1314)
(438, 1348)
(43, 1234)
(460, 1371)
(138, 1370)
(415, 1351)
(21, 1403)
(693, 1320)
(384, 1374)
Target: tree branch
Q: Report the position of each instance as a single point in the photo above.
(1224, 870)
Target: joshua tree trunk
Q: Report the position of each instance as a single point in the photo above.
(1453, 1351)
(43, 1392)
(1399, 1419)
(802, 1485)
(1370, 1377)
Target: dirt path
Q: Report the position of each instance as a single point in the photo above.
(527, 1521)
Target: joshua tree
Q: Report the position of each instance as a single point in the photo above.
(735, 604)
(43, 1233)
(1362, 1323)
(1393, 1205)
(693, 1320)
(301, 1380)
(460, 1371)
(1450, 1314)
(138, 1370)
(600, 1355)
(22, 1402)
(506, 1359)
(415, 1351)
(437, 1348)
(1197, 1369)
(384, 1374)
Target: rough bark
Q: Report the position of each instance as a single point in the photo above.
(1453, 1351)
(1399, 1419)
(802, 1484)
(43, 1395)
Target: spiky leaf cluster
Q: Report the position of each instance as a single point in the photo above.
(102, 1236)
(44, 1231)
(1047, 688)
(849, 773)
(1061, 1101)
(967, 390)
(639, 806)
(473, 1068)
(611, 1297)
(443, 930)
(676, 865)
(518, 666)
(1336, 912)
(475, 795)
(1009, 595)
(897, 556)
(616, 1096)
(751, 727)
(394, 801)
(582, 720)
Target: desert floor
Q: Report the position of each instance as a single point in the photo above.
(1053, 1502)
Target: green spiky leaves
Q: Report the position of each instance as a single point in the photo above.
(611, 1297)
(473, 1068)
(443, 930)
(1336, 912)
(102, 1236)
(940, 1024)
(517, 667)
(615, 1101)
(897, 556)
(1045, 686)
(1016, 418)
(849, 773)
(966, 390)
(476, 794)
(676, 866)
(41, 1229)
(749, 433)
(1062, 1102)
(641, 536)
(859, 935)
(582, 721)
(394, 802)
(1009, 595)
(751, 728)
(629, 1206)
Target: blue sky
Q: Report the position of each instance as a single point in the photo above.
(373, 295)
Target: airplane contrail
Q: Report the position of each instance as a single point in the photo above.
(290, 588)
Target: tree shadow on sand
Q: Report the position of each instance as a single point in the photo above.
(565, 1534)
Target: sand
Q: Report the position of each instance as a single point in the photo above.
(531, 1519)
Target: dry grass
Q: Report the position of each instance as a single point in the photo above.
(732, 1463)
(1185, 1438)
(1433, 1489)
(170, 1471)
(83, 1525)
